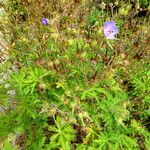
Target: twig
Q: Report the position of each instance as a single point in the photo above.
(3, 46)
(3, 108)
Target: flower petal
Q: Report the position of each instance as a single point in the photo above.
(108, 24)
(110, 29)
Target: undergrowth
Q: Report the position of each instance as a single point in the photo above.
(65, 86)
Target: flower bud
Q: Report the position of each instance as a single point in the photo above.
(102, 5)
(45, 21)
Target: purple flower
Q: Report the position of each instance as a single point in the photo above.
(110, 29)
(45, 21)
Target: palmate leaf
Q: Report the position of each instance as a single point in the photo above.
(27, 79)
(141, 80)
(8, 146)
(38, 145)
(93, 92)
(63, 135)
(116, 141)
(147, 143)
(36, 140)
(112, 111)
(84, 147)
(109, 103)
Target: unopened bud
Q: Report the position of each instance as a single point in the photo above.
(111, 4)
(102, 5)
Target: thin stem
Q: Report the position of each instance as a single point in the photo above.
(110, 45)
(3, 46)
(3, 107)
(111, 58)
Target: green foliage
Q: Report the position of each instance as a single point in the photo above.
(63, 135)
(116, 141)
(36, 139)
(8, 146)
(65, 86)
(144, 3)
(141, 81)
(28, 79)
